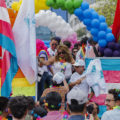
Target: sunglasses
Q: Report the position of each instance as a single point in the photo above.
(61, 53)
(75, 51)
(109, 100)
(54, 44)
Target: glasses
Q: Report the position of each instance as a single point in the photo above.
(109, 100)
(54, 44)
(59, 53)
(75, 51)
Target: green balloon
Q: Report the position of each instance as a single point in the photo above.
(71, 11)
(60, 3)
(50, 3)
(55, 6)
(69, 4)
(77, 3)
(63, 7)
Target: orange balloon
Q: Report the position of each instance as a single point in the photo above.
(12, 15)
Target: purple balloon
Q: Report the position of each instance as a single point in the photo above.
(101, 49)
(116, 53)
(108, 52)
(117, 46)
(111, 45)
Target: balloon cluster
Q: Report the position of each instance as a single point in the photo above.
(95, 23)
(39, 5)
(69, 5)
(56, 24)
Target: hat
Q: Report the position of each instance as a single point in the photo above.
(77, 95)
(59, 77)
(79, 63)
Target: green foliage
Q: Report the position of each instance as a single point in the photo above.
(107, 8)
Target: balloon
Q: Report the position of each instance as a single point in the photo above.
(71, 11)
(108, 52)
(84, 5)
(87, 22)
(55, 6)
(102, 18)
(79, 13)
(111, 45)
(116, 53)
(101, 50)
(117, 46)
(110, 37)
(95, 15)
(102, 35)
(94, 31)
(95, 23)
(68, 4)
(77, 3)
(102, 43)
(95, 39)
(87, 13)
(103, 26)
(60, 3)
(109, 30)
(50, 3)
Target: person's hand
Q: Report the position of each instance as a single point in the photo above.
(80, 80)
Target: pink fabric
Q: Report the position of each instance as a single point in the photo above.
(54, 115)
(2, 3)
(112, 76)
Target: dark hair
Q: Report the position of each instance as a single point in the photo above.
(41, 100)
(31, 102)
(18, 106)
(67, 43)
(3, 103)
(54, 83)
(91, 41)
(75, 107)
(115, 93)
(54, 100)
(38, 112)
(58, 39)
(84, 40)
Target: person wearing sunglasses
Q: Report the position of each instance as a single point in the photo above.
(53, 46)
(62, 61)
(112, 103)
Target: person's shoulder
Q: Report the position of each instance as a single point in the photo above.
(107, 115)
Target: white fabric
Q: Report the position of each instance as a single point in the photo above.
(111, 115)
(79, 62)
(83, 85)
(78, 54)
(51, 52)
(78, 95)
(25, 40)
(59, 77)
(4, 16)
(94, 76)
(57, 68)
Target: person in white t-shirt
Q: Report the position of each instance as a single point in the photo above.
(77, 80)
(53, 46)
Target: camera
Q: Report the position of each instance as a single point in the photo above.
(90, 108)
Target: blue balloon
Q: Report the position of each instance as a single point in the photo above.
(102, 43)
(102, 18)
(78, 12)
(102, 35)
(95, 15)
(110, 37)
(95, 39)
(84, 5)
(87, 22)
(95, 23)
(103, 26)
(88, 28)
(87, 13)
(91, 9)
(94, 31)
(109, 30)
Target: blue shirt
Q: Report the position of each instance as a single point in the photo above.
(77, 117)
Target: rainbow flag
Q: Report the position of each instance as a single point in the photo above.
(9, 61)
(82, 53)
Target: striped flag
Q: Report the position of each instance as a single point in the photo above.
(9, 61)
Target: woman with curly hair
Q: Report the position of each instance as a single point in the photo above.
(61, 62)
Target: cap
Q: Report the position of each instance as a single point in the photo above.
(59, 77)
(78, 95)
(79, 63)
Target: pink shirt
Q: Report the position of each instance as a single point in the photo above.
(53, 115)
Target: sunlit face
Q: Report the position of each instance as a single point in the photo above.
(110, 102)
(79, 69)
(61, 53)
(53, 44)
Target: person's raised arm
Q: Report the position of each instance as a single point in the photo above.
(66, 85)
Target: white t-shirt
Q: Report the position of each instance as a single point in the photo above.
(51, 52)
(82, 86)
(111, 115)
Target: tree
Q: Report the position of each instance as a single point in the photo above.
(106, 8)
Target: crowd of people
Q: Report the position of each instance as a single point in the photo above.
(62, 92)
